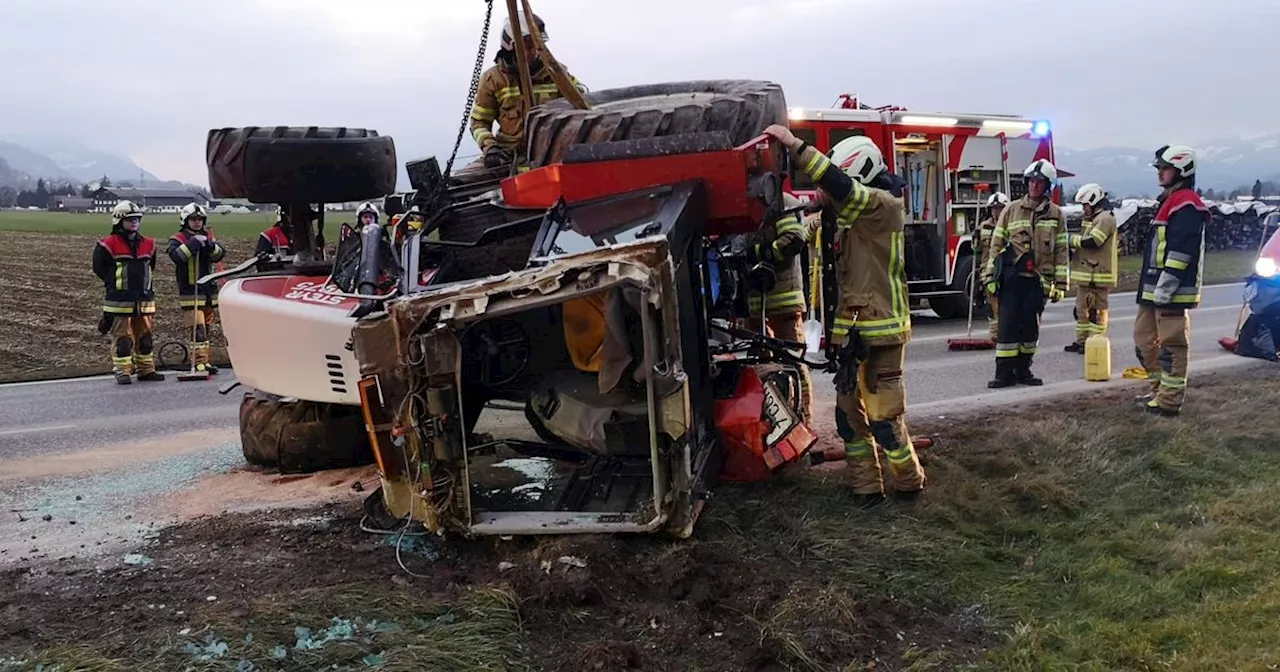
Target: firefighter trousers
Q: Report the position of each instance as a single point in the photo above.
(870, 419)
(131, 351)
(1091, 311)
(790, 327)
(993, 317)
(1162, 338)
(198, 320)
(1021, 304)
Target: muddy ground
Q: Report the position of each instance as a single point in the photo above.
(52, 301)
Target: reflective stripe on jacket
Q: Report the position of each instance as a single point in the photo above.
(1173, 260)
(1095, 261)
(124, 262)
(785, 240)
(1036, 228)
(498, 98)
(183, 250)
(871, 261)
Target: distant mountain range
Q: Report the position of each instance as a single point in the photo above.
(1225, 164)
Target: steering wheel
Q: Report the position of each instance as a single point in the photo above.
(495, 351)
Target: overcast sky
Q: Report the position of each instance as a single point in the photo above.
(148, 78)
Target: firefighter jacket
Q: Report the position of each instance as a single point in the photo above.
(1095, 263)
(1038, 232)
(272, 241)
(871, 261)
(982, 242)
(124, 261)
(192, 261)
(781, 244)
(498, 98)
(1171, 265)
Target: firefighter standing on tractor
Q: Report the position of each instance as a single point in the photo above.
(498, 99)
(1093, 265)
(1172, 269)
(275, 240)
(778, 246)
(1028, 264)
(862, 202)
(995, 205)
(194, 251)
(125, 260)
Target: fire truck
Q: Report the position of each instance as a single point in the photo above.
(952, 163)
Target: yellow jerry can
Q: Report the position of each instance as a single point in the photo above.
(1097, 358)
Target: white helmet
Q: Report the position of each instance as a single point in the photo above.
(508, 42)
(279, 214)
(369, 208)
(1090, 194)
(1181, 157)
(124, 210)
(998, 199)
(192, 210)
(859, 157)
(1043, 169)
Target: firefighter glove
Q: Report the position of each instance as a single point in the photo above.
(851, 356)
(991, 287)
(1165, 286)
(104, 324)
(1056, 295)
(495, 156)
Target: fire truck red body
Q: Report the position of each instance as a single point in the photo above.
(952, 163)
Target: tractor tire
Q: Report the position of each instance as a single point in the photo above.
(300, 437)
(283, 164)
(740, 109)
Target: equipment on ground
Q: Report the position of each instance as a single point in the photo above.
(1097, 358)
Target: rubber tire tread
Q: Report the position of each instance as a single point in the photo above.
(742, 108)
(263, 164)
(299, 437)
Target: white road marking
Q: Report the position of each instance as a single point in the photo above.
(58, 380)
(26, 430)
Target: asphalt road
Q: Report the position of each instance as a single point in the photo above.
(61, 416)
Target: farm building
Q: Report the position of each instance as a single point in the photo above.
(70, 204)
(148, 198)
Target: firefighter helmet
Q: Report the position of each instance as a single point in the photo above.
(191, 210)
(1041, 168)
(367, 208)
(859, 158)
(125, 210)
(508, 42)
(1181, 157)
(1090, 194)
(998, 199)
(279, 215)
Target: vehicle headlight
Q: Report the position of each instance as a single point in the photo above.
(1266, 267)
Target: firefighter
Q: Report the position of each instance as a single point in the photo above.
(1027, 263)
(194, 251)
(498, 99)
(995, 205)
(1093, 265)
(366, 214)
(863, 202)
(1170, 284)
(779, 245)
(275, 240)
(125, 260)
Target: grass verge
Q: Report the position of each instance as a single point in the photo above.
(1083, 535)
(1220, 266)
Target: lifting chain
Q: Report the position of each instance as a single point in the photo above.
(471, 94)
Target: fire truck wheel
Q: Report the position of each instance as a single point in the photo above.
(284, 164)
(740, 108)
(298, 437)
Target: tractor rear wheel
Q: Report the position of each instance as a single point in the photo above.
(298, 437)
(658, 114)
(300, 164)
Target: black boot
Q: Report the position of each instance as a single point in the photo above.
(1004, 374)
(1077, 348)
(1023, 374)
(123, 378)
(151, 377)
